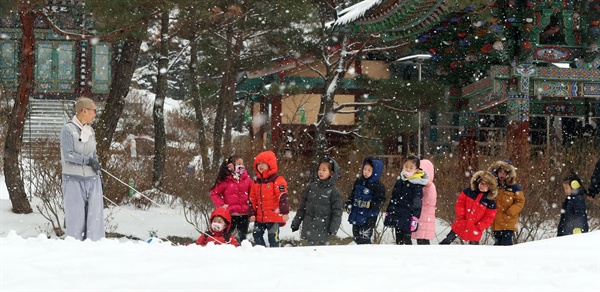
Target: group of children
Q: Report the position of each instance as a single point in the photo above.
(493, 199)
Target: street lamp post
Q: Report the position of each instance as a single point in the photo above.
(419, 60)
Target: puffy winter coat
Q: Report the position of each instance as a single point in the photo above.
(368, 194)
(218, 237)
(268, 195)
(573, 214)
(509, 204)
(475, 210)
(321, 208)
(426, 228)
(233, 192)
(510, 200)
(406, 201)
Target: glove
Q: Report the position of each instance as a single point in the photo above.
(95, 165)
(414, 224)
(349, 208)
(577, 230)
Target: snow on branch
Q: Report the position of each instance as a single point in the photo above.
(379, 49)
(312, 68)
(354, 104)
(355, 12)
(354, 133)
(379, 102)
(107, 36)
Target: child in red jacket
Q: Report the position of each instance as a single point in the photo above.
(475, 209)
(269, 200)
(220, 225)
(231, 192)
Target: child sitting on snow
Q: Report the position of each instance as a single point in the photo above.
(220, 225)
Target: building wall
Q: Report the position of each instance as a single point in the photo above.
(373, 69)
(307, 105)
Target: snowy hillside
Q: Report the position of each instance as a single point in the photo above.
(33, 262)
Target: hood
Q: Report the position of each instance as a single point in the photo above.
(270, 159)
(420, 177)
(336, 169)
(223, 213)
(511, 179)
(490, 179)
(377, 168)
(428, 168)
(241, 177)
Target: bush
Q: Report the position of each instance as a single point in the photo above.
(541, 180)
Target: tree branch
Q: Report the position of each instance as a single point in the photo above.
(379, 102)
(105, 37)
(379, 49)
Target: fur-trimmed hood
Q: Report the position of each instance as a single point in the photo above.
(511, 178)
(490, 179)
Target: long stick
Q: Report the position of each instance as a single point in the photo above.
(132, 188)
(116, 178)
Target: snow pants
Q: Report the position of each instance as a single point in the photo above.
(362, 233)
(240, 225)
(272, 231)
(503, 237)
(403, 237)
(84, 207)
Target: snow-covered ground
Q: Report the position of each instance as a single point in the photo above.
(29, 261)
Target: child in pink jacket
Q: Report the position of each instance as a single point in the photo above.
(231, 192)
(426, 231)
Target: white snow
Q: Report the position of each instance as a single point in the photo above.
(29, 261)
(355, 11)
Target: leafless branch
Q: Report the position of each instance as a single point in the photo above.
(379, 49)
(105, 37)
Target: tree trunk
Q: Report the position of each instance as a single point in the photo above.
(232, 87)
(325, 116)
(160, 140)
(123, 71)
(16, 121)
(197, 103)
(222, 105)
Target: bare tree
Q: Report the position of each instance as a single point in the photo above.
(160, 142)
(28, 12)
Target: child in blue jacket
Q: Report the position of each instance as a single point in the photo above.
(366, 200)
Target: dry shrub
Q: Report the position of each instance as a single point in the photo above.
(44, 180)
(124, 171)
(540, 178)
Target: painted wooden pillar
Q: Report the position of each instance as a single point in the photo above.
(467, 145)
(517, 129)
(518, 107)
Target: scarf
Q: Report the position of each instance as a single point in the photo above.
(86, 131)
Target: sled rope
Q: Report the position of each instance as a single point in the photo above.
(136, 218)
(132, 188)
(149, 199)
